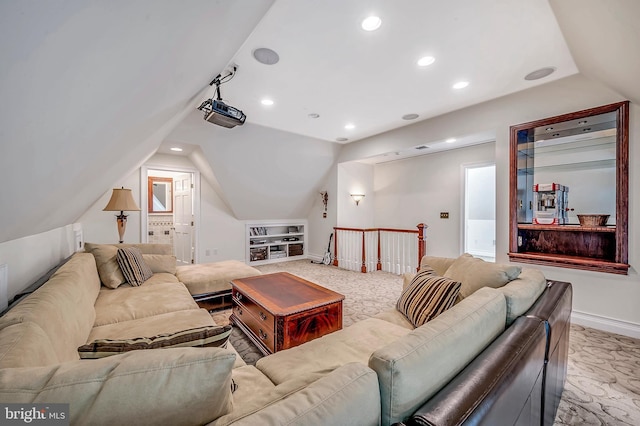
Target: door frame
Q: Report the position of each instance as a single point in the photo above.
(144, 217)
(463, 201)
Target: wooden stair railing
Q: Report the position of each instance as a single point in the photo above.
(421, 243)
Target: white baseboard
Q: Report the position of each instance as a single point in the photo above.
(606, 324)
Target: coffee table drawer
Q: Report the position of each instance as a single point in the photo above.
(260, 313)
(259, 328)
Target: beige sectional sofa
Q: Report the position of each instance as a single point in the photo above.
(377, 371)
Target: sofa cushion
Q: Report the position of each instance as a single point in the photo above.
(63, 307)
(475, 273)
(329, 400)
(169, 322)
(351, 344)
(25, 344)
(210, 336)
(395, 317)
(161, 263)
(415, 366)
(191, 385)
(522, 292)
(149, 248)
(438, 264)
(427, 296)
(213, 277)
(128, 303)
(133, 266)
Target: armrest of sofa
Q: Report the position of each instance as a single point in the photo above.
(502, 385)
(554, 308)
(147, 387)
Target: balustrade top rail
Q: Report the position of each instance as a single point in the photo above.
(422, 246)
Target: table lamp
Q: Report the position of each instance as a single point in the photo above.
(121, 200)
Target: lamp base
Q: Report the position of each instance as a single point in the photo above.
(122, 225)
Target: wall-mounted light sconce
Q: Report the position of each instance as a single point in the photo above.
(357, 198)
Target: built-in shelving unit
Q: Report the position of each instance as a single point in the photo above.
(269, 242)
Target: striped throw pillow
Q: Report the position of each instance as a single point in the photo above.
(209, 336)
(427, 296)
(133, 266)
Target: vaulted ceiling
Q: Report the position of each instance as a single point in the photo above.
(90, 90)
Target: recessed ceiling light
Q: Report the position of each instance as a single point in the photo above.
(313, 115)
(426, 61)
(461, 85)
(450, 140)
(266, 102)
(538, 74)
(349, 126)
(176, 149)
(410, 116)
(341, 139)
(266, 56)
(371, 23)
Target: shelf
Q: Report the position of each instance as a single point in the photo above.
(281, 243)
(567, 228)
(576, 262)
(275, 235)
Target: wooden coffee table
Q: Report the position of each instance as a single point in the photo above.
(279, 311)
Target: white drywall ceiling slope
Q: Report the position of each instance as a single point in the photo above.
(603, 38)
(263, 173)
(90, 89)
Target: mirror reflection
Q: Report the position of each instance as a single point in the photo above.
(160, 195)
(580, 157)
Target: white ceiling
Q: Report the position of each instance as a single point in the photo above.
(330, 66)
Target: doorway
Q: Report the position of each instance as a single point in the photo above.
(480, 211)
(171, 217)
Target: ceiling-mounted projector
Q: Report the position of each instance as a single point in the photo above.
(216, 111)
(222, 114)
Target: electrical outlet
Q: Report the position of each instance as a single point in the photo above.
(207, 252)
(444, 215)
(215, 251)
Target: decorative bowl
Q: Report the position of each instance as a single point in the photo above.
(593, 219)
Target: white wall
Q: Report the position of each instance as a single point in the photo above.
(30, 257)
(220, 232)
(603, 300)
(416, 190)
(321, 227)
(355, 178)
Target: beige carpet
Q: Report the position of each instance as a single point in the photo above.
(603, 380)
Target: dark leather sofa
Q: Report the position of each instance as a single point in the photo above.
(518, 379)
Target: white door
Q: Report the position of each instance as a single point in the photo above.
(183, 218)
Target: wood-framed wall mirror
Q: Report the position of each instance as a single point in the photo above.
(563, 170)
(160, 194)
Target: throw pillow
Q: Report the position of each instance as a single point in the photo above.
(190, 386)
(427, 296)
(209, 336)
(107, 264)
(133, 266)
(475, 273)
